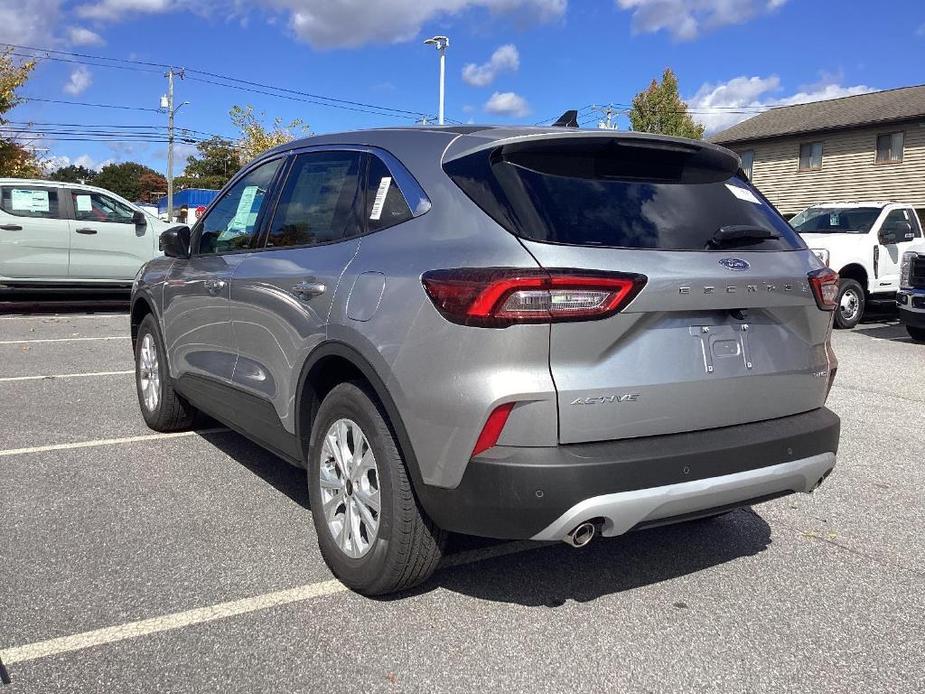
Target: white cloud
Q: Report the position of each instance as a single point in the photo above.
(28, 22)
(686, 19)
(79, 81)
(81, 36)
(504, 59)
(722, 105)
(114, 10)
(507, 104)
(54, 163)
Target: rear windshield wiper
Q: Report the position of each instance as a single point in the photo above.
(740, 235)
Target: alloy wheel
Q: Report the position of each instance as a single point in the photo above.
(349, 480)
(149, 375)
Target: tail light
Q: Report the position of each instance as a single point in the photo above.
(825, 288)
(499, 297)
(492, 429)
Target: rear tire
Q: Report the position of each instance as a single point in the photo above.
(850, 304)
(162, 408)
(917, 334)
(370, 551)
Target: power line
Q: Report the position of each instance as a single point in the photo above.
(84, 103)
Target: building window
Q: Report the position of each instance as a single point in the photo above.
(748, 159)
(890, 148)
(810, 156)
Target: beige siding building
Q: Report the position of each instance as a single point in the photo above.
(866, 147)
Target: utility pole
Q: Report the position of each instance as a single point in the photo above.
(441, 43)
(167, 104)
(609, 114)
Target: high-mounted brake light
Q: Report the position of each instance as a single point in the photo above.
(825, 288)
(499, 297)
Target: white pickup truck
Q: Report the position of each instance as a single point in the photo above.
(864, 242)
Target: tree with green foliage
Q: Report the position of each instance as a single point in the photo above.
(659, 109)
(131, 180)
(16, 160)
(256, 138)
(73, 173)
(216, 163)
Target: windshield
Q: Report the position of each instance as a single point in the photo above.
(830, 220)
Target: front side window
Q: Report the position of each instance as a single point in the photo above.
(20, 201)
(385, 204)
(890, 148)
(319, 201)
(232, 223)
(828, 220)
(96, 207)
(904, 216)
(748, 160)
(810, 156)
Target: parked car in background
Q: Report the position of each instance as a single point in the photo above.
(523, 333)
(70, 235)
(864, 242)
(911, 296)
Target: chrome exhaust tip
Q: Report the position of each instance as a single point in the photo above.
(581, 535)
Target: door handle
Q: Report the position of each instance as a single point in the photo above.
(86, 231)
(308, 289)
(11, 227)
(214, 286)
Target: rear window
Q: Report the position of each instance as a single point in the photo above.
(601, 193)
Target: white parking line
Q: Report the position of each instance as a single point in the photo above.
(63, 318)
(50, 377)
(169, 622)
(108, 442)
(64, 339)
(200, 615)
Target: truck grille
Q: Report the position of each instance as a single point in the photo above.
(917, 272)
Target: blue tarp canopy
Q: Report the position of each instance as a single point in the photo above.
(191, 197)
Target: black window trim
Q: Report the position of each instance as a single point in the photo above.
(62, 209)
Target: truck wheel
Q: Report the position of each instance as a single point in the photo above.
(373, 535)
(850, 308)
(917, 334)
(162, 408)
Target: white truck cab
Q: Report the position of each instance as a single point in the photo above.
(864, 242)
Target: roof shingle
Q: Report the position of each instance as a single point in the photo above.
(900, 104)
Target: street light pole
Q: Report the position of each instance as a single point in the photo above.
(441, 43)
(167, 104)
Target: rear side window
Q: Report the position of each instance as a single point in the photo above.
(608, 195)
(385, 204)
(319, 201)
(40, 203)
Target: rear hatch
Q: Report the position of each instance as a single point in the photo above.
(726, 329)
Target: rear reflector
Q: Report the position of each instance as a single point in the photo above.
(825, 288)
(492, 429)
(499, 297)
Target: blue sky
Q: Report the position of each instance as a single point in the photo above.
(517, 61)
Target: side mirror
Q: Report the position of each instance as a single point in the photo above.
(139, 219)
(895, 231)
(175, 242)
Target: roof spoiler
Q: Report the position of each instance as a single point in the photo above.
(569, 119)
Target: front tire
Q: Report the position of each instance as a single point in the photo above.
(162, 408)
(850, 304)
(917, 334)
(373, 535)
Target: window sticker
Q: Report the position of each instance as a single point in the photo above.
(83, 203)
(833, 219)
(242, 217)
(743, 194)
(379, 203)
(29, 200)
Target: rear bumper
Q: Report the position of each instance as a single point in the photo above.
(543, 492)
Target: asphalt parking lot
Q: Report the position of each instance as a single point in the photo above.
(133, 561)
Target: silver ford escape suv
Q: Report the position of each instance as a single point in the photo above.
(539, 333)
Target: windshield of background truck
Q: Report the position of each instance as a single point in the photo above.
(828, 220)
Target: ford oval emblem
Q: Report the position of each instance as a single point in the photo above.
(734, 264)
